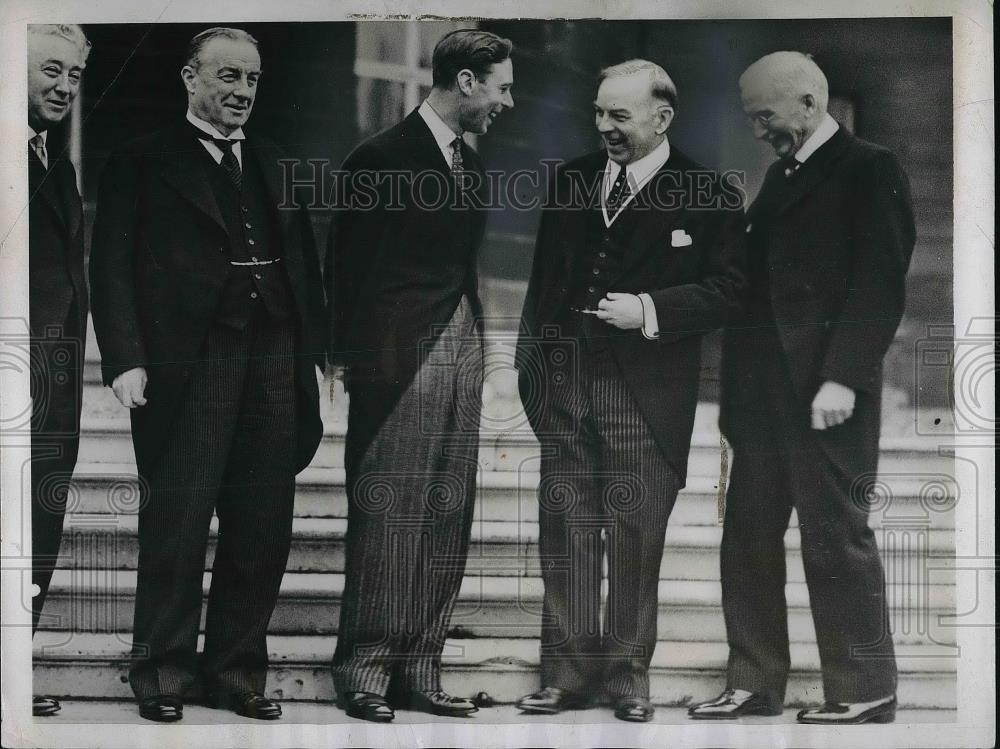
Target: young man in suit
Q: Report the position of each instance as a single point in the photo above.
(208, 306)
(401, 275)
(57, 55)
(831, 234)
(639, 254)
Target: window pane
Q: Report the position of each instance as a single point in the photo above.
(382, 41)
(380, 104)
(432, 31)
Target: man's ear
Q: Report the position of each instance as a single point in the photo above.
(466, 80)
(187, 75)
(666, 114)
(809, 102)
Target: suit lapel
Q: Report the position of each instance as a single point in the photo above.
(655, 210)
(184, 171)
(266, 158)
(70, 196)
(812, 172)
(43, 186)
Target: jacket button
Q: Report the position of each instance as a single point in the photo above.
(257, 276)
(602, 255)
(247, 225)
(250, 241)
(253, 294)
(591, 289)
(254, 259)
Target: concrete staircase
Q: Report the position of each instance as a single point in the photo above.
(82, 650)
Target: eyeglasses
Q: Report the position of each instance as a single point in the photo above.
(760, 119)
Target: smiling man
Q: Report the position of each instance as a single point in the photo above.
(401, 276)
(621, 292)
(208, 308)
(831, 233)
(57, 55)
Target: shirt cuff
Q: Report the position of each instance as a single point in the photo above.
(650, 326)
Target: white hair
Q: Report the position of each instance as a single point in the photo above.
(662, 86)
(69, 31)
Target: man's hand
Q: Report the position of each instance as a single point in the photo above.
(832, 406)
(621, 310)
(130, 387)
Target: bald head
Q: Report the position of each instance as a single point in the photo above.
(785, 95)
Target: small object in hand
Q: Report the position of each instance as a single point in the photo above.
(483, 699)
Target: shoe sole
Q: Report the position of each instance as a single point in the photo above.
(753, 712)
(881, 718)
(553, 711)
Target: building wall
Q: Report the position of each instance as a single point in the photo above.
(896, 73)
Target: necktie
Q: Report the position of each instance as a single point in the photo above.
(620, 192)
(38, 144)
(230, 164)
(456, 157)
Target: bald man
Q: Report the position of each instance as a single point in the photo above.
(831, 234)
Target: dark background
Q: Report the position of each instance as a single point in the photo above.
(893, 75)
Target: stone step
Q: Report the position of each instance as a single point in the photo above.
(488, 606)
(903, 503)
(96, 666)
(108, 440)
(691, 552)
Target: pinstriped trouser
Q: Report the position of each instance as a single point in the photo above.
(411, 498)
(601, 470)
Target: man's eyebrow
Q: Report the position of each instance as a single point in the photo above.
(619, 110)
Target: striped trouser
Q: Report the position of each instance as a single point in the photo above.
(411, 498)
(606, 489)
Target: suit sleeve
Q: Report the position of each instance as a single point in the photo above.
(112, 269)
(700, 307)
(884, 235)
(540, 280)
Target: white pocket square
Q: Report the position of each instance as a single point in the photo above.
(680, 238)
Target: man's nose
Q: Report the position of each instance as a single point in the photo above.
(63, 85)
(603, 126)
(508, 100)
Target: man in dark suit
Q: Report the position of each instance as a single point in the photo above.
(638, 255)
(401, 275)
(208, 307)
(831, 234)
(57, 55)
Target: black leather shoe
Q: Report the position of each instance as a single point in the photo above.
(440, 703)
(42, 707)
(254, 705)
(552, 700)
(367, 706)
(634, 709)
(849, 713)
(163, 708)
(734, 703)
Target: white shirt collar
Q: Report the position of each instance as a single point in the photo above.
(210, 130)
(640, 171)
(444, 136)
(826, 130)
(32, 134)
(638, 174)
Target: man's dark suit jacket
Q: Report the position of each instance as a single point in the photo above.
(693, 287)
(829, 247)
(55, 241)
(402, 252)
(158, 267)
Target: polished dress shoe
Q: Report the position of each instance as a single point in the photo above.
(254, 705)
(163, 708)
(634, 709)
(734, 703)
(552, 700)
(42, 707)
(440, 703)
(850, 713)
(367, 706)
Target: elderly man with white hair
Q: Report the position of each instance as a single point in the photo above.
(831, 233)
(57, 297)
